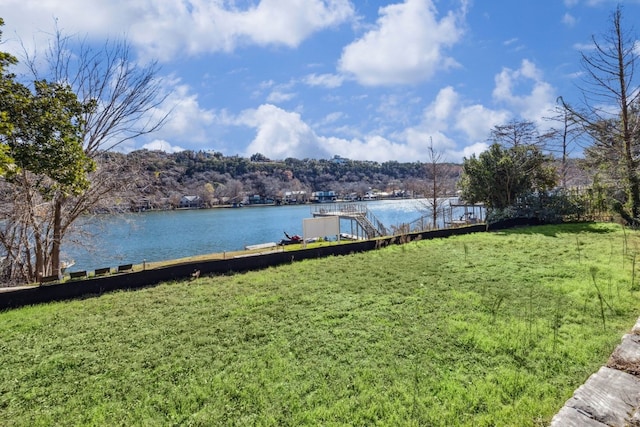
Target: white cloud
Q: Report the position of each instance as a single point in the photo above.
(583, 47)
(569, 20)
(329, 81)
(164, 29)
(411, 145)
(332, 118)
(394, 109)
(476, 121)
(456, 129)
(277, 97)
(186, 121)
(474, 149)
(440, 111)
(374, 148)
(405, 47)
(162, 145)
(280, 134)
(289, 22)
(452, 118)
(525, 91)
(572, 3)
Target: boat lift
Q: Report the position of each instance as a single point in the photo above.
(472, 214)
(364, 224)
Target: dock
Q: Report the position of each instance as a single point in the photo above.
(364, 224)
(268, 245)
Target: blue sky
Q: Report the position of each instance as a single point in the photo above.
(367, 80)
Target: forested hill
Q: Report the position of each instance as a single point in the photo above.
(157, 180)
(161, 179)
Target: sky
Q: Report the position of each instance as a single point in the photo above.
(364, 80)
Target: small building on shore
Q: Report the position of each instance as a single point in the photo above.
(295, 197)
(190, 202)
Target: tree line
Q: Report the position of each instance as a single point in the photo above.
(160, 179)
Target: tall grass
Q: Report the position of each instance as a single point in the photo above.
(485, 329)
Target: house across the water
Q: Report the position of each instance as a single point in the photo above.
(190, 202)
(323, 196)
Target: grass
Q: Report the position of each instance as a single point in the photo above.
(485, 329)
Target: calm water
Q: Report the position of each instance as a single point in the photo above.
(157, 236)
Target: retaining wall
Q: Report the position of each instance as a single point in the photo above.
(611, 396)
(138, 279)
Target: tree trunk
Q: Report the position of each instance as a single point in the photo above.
(631, 173)
(57, 236)
(434, 215)
(39, 271)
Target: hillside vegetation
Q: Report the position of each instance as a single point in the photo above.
(158, 180)
(486, 329)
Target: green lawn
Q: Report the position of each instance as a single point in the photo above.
(486, 329)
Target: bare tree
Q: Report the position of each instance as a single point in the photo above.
(567, 133)
(232, 191)
(436, 187)
(515, 133)
(609, 111)
(128, 95)
(126, 98)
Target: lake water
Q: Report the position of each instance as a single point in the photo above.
(163, 235)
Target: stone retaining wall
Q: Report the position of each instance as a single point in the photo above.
(611, 396)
